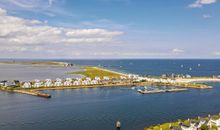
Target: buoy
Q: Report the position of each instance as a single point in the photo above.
(118, 125)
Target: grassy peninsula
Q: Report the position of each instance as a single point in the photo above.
(93, 72)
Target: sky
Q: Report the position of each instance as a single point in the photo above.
(109, 29)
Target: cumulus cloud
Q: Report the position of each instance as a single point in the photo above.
(176, 50)
(21, 33)
(200, 3)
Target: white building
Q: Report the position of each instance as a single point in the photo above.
(37, 83)
(58, 82)
(76, 82)
(68, 82)
(188, 76)
(94, 82)
(26, 85)
(85, 82)
(215, 122)
(193, 125)
(48, 83)
(97, 78)
(132, 76)
(88, 79)
(79, 79)
(123, 77)
(106, 78)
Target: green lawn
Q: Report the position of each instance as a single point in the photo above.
(92, 72)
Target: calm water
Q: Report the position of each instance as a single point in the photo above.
(31, 72)
(100, 108)
(158, 67)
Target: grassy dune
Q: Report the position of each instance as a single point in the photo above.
(92, 72)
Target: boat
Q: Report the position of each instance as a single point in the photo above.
(133, 88)
(44, 95)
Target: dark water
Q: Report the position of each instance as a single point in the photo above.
(31, 72)
(158, 67)
(100, 108)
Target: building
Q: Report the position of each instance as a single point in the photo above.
(97, 78)
(58, 82)
(48, 83)
(106, 78)
(123, 77)
(86, 82)
(94, 82)
(68, 82)
(89, 79)
(132, 76)
(215, 122)
(37, 84)
(3, 83)
(193, 125)
(188, 76)
(26, 85)
(76, 82)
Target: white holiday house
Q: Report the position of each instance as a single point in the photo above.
(58, 82)
(26, 85)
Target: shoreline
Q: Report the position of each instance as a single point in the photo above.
(198, 79)
(36, 91)
(180, 83)
(46, 63)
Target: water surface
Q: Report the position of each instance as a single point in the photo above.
(100, 108)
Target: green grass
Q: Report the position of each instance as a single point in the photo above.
(92, 72)
(165, 126)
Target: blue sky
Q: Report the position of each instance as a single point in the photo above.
(88, 29)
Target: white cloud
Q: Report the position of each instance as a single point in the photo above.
(176, 50)
(206, 16)
(200, 3)
(217, 53)
(18, 31)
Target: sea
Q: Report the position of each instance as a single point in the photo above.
(100, 108)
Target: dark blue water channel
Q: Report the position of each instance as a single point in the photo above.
(100, 108)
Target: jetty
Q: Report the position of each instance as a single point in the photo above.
(33, 93)
(161, 91)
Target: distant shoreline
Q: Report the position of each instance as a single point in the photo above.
(51, 63)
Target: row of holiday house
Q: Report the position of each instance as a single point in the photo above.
(66, 82)
(73, 82)
(60, 82)
(83, 81)
(197, 124)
